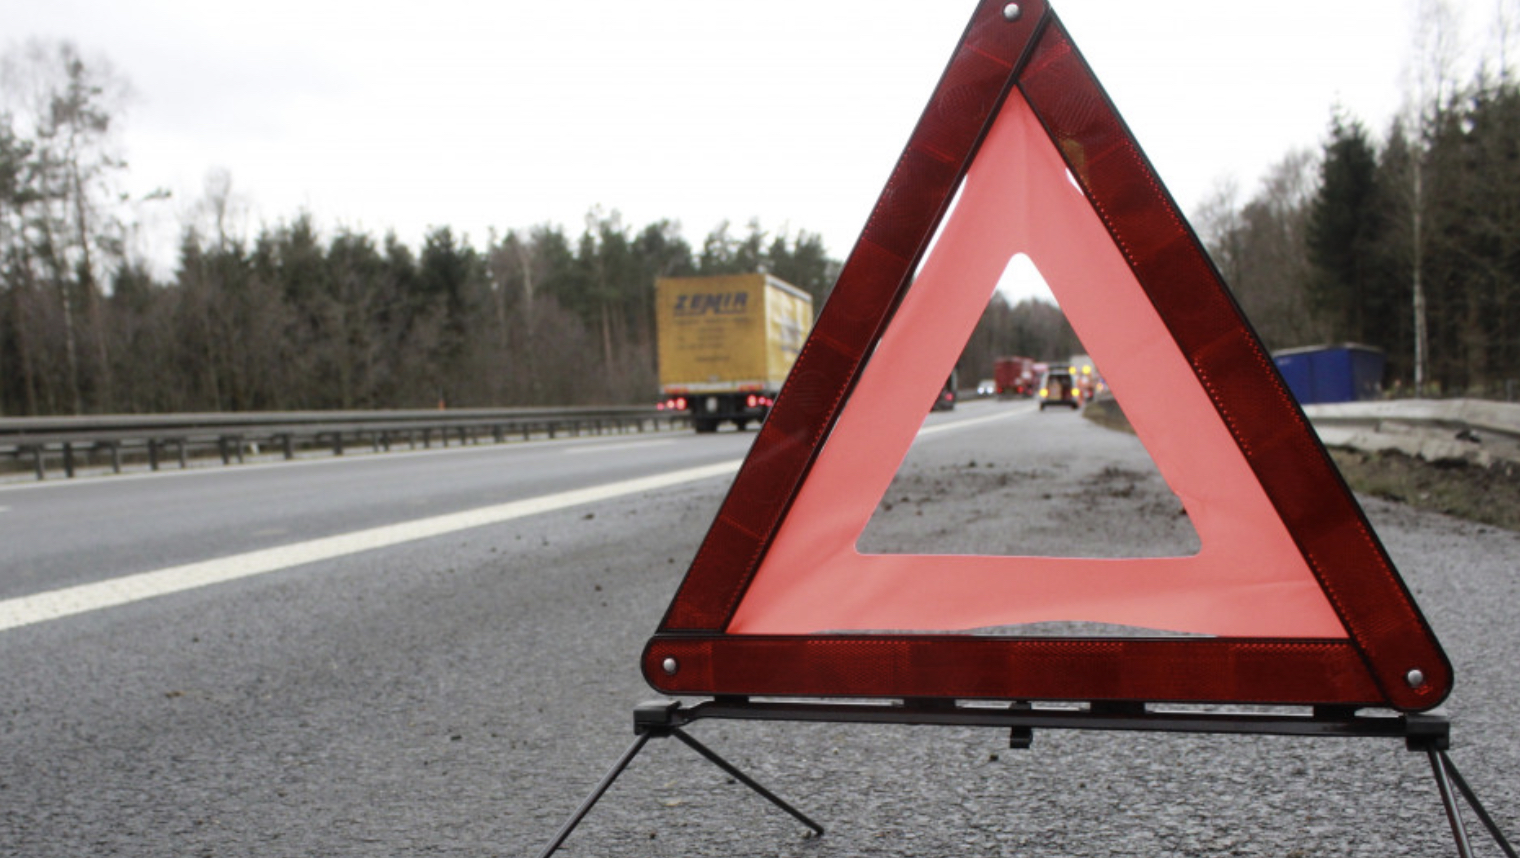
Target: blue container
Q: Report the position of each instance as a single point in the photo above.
(1341, 373)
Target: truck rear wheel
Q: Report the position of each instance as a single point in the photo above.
(704, 424)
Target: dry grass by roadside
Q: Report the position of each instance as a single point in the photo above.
(1488, 495)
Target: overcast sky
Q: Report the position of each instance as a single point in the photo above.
(381, 116)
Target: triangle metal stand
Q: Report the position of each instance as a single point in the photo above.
(659, 719)
(1428, 733)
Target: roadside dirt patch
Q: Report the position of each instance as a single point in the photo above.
(1489, 495)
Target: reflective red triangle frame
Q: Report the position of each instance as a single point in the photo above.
(1390, 656)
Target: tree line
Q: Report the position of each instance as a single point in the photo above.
(292, 319)
(296, 318)
(1409, 243)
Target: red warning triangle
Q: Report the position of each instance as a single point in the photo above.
(1291, 598)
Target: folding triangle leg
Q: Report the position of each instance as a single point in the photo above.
(745, 779)
(1446, 776)
(596, 795)
(661, 719)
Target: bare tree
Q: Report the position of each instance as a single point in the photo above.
(1505, 31)
(1430, 87)
(221, 207)
(66, 106)
(1259, 248)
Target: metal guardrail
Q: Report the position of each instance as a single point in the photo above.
(64, 444)
(1473, 430)
(1433, 429)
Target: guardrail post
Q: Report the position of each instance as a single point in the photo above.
(37, 462)
(115, 448)
(338, 442)
(68, 459)
(152, 454)
(183, 458)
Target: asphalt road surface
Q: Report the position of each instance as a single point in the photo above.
(460, 690)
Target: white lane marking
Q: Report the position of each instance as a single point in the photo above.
(973, 421)
(605, 448)
(41, 607)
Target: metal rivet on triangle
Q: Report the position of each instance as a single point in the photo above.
(1415, 678)
(670, 666)
(1012, 12)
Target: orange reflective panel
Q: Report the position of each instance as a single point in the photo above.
(1248, 579)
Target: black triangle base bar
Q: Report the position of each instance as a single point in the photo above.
(1428, 733)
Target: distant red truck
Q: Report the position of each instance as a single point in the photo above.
(1014, 376)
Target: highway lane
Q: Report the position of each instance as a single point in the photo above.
(460, 695)
(64, 534)
(59, 534)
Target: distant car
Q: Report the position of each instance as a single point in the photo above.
(1058, 388)
(986, 387)
(945, 401)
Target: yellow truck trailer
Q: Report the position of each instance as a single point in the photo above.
(726, 344)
